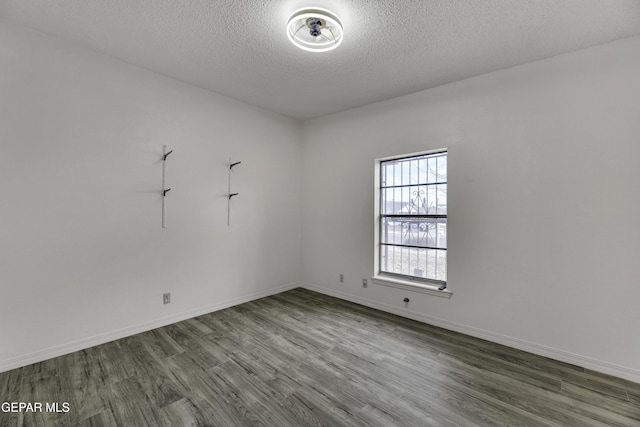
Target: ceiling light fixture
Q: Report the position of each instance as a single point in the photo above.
(315, 29)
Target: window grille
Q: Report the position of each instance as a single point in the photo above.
(413, 217)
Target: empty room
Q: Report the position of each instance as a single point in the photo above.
(320, 213)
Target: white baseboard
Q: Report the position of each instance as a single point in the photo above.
(541, 350)
(49, 353)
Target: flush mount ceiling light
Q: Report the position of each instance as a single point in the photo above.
(315, 29)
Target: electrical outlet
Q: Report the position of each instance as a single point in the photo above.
(341, 278)
(364, 283)
(166, 298)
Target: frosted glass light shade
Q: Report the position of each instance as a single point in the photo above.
(315, 29)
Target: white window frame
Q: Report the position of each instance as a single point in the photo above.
(410, 283)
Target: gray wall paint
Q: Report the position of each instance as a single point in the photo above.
(543, 198)
(82, 250)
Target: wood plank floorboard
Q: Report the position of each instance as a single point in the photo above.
(301, 358)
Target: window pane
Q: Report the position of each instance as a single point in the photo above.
(404, 198)
(414, 173)
(388, 174)
(418, 200)
(422, 165)
(404, 179)
(431, 199)
(391, 231)
(385, 202)
(397, 197)
(420, 263)
(441, 205)
(431, 170)
(442, 168)
(383, 175)
(409, 200)
(425, 232)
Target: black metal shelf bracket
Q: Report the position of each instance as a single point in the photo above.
(165, 190)
(229, 193)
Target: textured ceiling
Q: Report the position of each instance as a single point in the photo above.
(239, 48)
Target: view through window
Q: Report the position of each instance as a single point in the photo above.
(413, 217)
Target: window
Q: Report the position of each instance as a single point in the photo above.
(412, 218)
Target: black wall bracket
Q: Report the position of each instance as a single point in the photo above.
(165, 190)
(229, 193)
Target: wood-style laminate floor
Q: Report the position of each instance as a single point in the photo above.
(304, 359)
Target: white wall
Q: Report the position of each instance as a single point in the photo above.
(544, 206)
(543, 200)
(83, 257)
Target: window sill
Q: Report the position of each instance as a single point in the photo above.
(408, 285)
